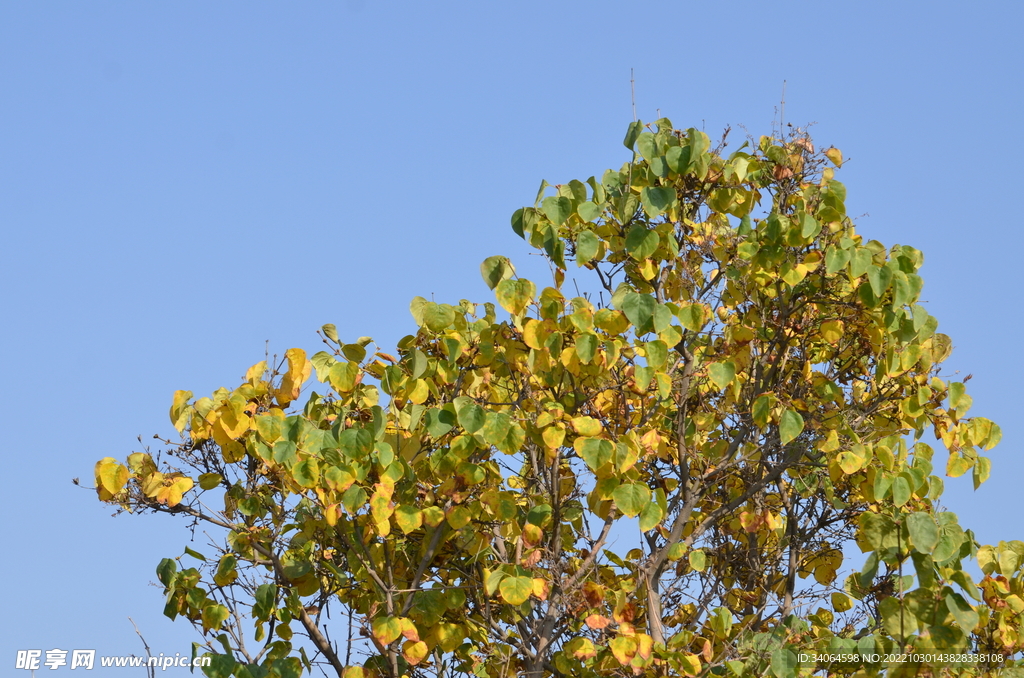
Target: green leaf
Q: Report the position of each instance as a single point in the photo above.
(632, 498)
(439, 421)
(639, 309)
(924, 532)
(306, 473)
(697, 560)
(641, 242)
(221, 665)
(472, 417)
(657, 200)
(790, 426)
(900, 490)
(876, 532)
(962, 611)
(860, 262)
(651, 516)
(595, 452)
(586, 346)
(722, 375)
(437, 317)
(678, 158)
(809, 226)
(354, 498)
(692, 316)
(516, 590)
(783, 663)
(557, 209)
(589, 210)
(208, 481)
(588, 245)
(632, 133)
(836, 259)
(496, 427)
(762, 409)
(495, 269)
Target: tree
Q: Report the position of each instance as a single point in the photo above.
(657, 476)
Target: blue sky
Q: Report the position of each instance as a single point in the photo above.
(182, 183)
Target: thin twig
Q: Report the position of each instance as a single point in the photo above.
(150, 669)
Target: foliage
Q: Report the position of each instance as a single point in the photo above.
(658, 476)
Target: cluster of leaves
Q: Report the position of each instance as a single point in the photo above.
(658, 476)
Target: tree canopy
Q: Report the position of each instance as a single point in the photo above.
(662, 472)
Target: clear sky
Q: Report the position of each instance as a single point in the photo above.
(181, 183)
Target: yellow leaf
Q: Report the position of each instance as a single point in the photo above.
(420, 392)
(447, 636)
(180, 410)
(831, 331)
(110, 475)
(553, 436)
(581, 648)
(386, 630)
(414, 652)
(255, 373)
(623, 648)
(690, 664)
(541, 588)
(841, 602)
(299, 369)
(644, 645)
(587, 426)
(409, 630)
(331, 514)
(835, 155)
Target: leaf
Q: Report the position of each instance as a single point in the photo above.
(651, 516)
(924, 532)
(306, 473)
(641, 242)
(692, 316)
(982, 470)
(722, 374)
(836, 259)
(656, 200)
(414, 651)
(594, 451)
(110, 475)
(515, 295)
(516, 590)
(632, 133)
(632, 498)
(791, 424)
(557, 209)
(472, 417)
(436, 317)
(841, 602)
(697, 560)
(783, 663)
(623, 648)
(962, 612)
(588, 246)
(180, 410)
(835, 155)
(386, 630)
(875, 532)
(957, 465)
(495, 269)
(639, 309)
(586, 346)
(900, 490)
